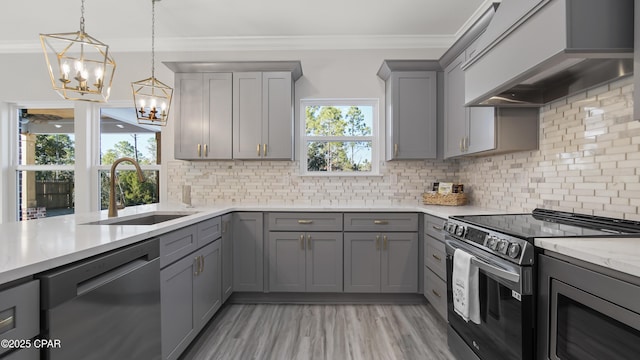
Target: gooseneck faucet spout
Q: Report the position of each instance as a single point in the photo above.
(113, 210)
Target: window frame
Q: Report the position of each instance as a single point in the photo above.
(87, 165)
(374, 137)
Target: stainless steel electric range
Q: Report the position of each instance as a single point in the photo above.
(504, 252)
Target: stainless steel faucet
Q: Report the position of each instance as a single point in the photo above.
(113, 210)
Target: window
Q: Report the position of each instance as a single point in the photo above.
(122, 136)
(46, 158)
(339, 137)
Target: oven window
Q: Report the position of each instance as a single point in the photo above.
(584, 334)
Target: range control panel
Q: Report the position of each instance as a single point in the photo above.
(514, 249)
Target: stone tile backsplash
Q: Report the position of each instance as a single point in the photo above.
(280, 183)
(588, 162)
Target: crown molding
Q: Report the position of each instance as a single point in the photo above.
(258, 43)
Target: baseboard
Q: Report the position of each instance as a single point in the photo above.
(326, 298)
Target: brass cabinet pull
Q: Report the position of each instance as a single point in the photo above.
(302, 242)
(384, 242)
(377, 242)
(461, 141)
(466, 143)
(437, 228)
(258, 149)
(202, 264)
(309, 242)
(264, 150)
(435, 293)
(305, 222)
(197, 260)
(6, 323)
(380, 222)
(224, 227)
(436, 257)
(206, 150)
(395, 149)
(199, 150)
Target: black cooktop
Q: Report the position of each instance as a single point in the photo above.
(547, 223)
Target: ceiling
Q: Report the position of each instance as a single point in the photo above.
(206, 24)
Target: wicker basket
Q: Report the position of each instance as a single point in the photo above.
(453, 199)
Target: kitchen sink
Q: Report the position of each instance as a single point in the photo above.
(142, 219)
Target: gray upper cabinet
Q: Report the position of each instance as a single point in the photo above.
(248, 252)
(263, 115)
(636, 61)
(482, 130)
(203, 122)
(235, 110)
(411, 115)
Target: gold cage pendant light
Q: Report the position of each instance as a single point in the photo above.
(151, 97)
(80, 67)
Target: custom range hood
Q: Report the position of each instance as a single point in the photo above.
(536, 51)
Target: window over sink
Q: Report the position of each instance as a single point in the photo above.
(339, 137)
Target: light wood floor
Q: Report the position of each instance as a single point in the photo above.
(338, 332)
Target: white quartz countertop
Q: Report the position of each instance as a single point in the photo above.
(621, 254)
(34, 246)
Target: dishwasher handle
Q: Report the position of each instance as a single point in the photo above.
(63, 284)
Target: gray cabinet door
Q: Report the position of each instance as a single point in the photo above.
(247, 115)
(324, 262)
(207, 292)
(287, 261)
(176, 293)
(227, 256)
(189, 115)
(482, 129)
(217, 123)
(248, 252)
(277, 115)
(411, 124)
(361, 262)
(455, 114)
(399, 263)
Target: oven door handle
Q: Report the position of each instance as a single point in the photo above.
(494, 270)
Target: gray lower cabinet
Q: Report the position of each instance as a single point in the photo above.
(300, 262)
(381, 262)
(248, 251)
(435, 269)
(191, 294)
(20, 317)
(227, 256)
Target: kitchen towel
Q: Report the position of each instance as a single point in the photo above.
(466, 301)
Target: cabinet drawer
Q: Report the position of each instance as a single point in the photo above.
(20, 312)
(209, 231)
(380, 222)
(435, 290)
(433, 226)
(305, 221)
(436, 257)
(177, 244)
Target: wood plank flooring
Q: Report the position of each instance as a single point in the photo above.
(285, 332)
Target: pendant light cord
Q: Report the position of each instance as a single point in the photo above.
(82, 17)
(153, 38)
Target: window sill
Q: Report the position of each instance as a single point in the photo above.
(336, 174)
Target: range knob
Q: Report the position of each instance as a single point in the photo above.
(461, 231)
(451, 228)
(492, 242)
(503, 246)
(514, 250)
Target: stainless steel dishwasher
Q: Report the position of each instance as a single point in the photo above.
(105, 307)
